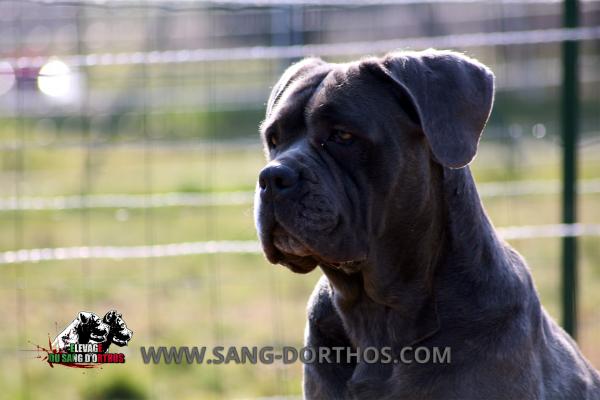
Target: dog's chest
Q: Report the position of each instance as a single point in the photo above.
(366, 323)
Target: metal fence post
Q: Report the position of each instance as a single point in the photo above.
(570, 128)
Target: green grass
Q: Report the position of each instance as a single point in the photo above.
(226, 299)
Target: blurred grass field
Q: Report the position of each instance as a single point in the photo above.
(225, 299)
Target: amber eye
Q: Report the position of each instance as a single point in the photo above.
(341, 136)
(273, 141)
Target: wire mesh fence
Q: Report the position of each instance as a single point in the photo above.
(129, 152)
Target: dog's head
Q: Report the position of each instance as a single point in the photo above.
(121, 335)
(352, 148)
(89, 327)
(85, 328)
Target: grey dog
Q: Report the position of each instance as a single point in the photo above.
(368, 179)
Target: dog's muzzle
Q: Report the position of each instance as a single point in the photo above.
(276, 180)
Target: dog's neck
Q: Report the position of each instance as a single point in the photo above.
(448, 227)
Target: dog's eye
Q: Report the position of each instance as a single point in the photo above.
(272, 140)
(340, 136)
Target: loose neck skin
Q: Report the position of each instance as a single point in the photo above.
(444, 237)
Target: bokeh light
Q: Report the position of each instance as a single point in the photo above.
(55, 79)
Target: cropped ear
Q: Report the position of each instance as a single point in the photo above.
(452, 95)
(110, 316)
(84, 317)
(291, 74)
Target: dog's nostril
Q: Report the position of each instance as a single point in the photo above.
(280, 183)
(262, 183)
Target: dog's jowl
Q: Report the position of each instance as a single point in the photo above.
(368, 179)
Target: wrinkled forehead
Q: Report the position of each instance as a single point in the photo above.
(289, 107)
(339, 92)
(349, 93)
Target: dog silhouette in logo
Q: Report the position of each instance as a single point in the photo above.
(89, 328)
(86, 328)
(118, 333)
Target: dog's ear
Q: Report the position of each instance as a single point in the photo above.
(291, 74)
(110, 316)
(452, 95)
(84, 317)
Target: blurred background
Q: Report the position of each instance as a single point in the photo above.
(129, 151)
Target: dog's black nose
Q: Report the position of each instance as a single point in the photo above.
(275, 179)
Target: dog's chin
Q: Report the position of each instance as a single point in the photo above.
(282, 248)
(286, 249)
(299, 264)
(288, 244)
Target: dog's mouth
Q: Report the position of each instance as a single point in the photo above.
(287, 249)
(98, 336)
(288, 244)
(283, 248)
(119, 342)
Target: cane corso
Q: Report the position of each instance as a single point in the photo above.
(368, 178)
(118, 332)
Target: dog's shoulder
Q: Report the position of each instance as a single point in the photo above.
(566, 372)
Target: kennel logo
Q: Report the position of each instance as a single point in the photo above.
(84, 343)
